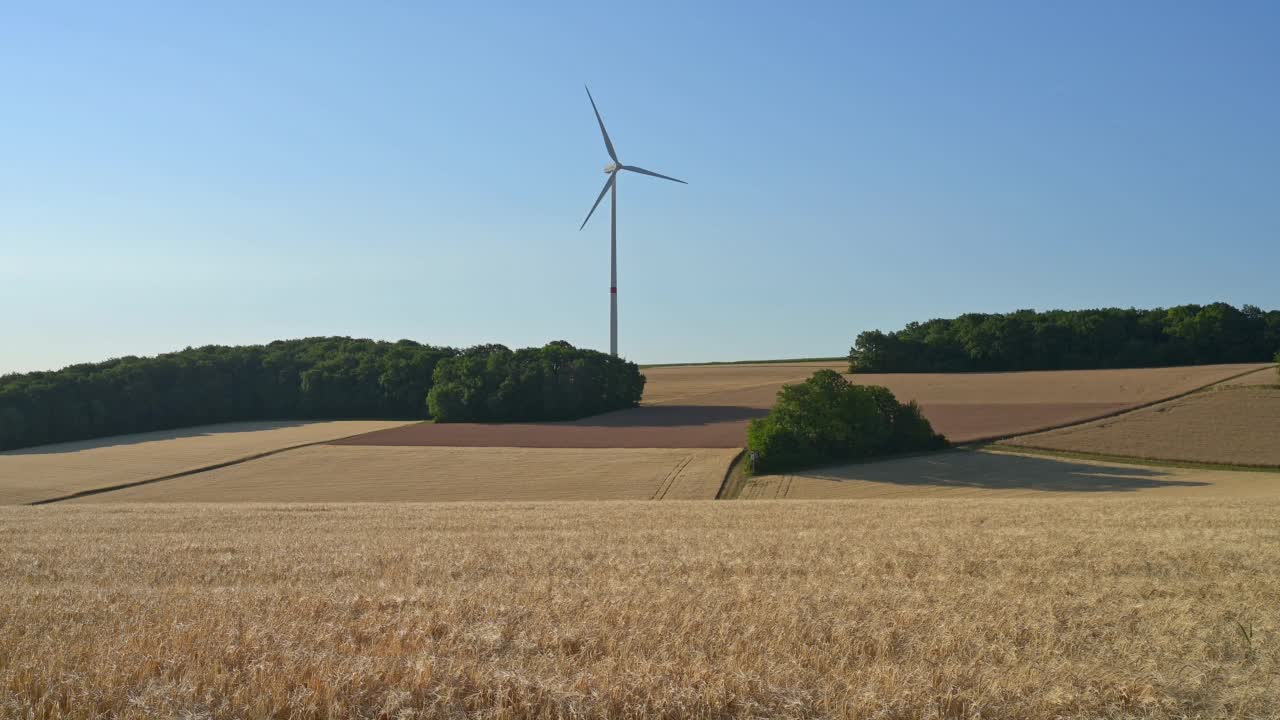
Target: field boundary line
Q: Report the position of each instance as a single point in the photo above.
(734, 478)
(187, 473)
(783, 361)
(1108, 415)
(784, 487)
(715, 392)
(1125, 459)
(670, 479)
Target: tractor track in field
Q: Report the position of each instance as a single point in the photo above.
(672, 476)
(180, 474)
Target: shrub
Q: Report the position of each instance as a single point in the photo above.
(827, 419)
(491, 383)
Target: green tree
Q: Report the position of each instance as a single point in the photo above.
(828, 419)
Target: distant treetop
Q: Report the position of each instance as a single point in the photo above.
(1073, 339)
(319, 377)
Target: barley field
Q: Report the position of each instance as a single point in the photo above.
(50, 471)
(339, 473)
(1082, 608)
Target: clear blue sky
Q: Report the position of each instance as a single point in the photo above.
(177, 174)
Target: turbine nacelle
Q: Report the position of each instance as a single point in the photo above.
(612, 170)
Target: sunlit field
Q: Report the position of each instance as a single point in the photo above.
(1120, 607)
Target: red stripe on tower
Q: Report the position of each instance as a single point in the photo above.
(613, 290)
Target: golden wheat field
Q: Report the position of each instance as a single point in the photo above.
(1234, 424)
(342, 473)
(50, 471)
(986, 474)
(1083, 608)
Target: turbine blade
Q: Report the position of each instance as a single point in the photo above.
(642, 171)
(607, 144)
(607, 184)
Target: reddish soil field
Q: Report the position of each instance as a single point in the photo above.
(709, 406)
(709, 426)
(651, 426)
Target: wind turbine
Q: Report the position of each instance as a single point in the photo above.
(612, 169)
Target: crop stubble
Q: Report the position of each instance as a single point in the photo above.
(331, 473)
(49, 471)
(1232, 424)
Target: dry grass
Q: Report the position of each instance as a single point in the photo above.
(1234, 424)
(1119, 608)
(56, 470)
(965, 473)
(332, 473)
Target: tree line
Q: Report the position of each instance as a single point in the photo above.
(1073, 339)
(553, 382)
(321, 377)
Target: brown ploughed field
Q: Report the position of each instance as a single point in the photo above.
(332, 473)
(51, 471)
(708, 406)
(1232, 424)
(999, 609)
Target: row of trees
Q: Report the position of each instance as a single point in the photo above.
(554, 382)
(1073, 339)
(827, 419)
(324, 377)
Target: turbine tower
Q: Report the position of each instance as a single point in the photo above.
(611, 186)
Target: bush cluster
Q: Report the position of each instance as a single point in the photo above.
(1074, 339)
(828, 419)
(555, 382)
(323, 377)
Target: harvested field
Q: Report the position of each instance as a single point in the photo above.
(1267, 376)
(1122, 607)
(1232, 424)
(682, 384)
(708, 406)
(682, 426)
(330, 473)
(968, 473)
(50, 471)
